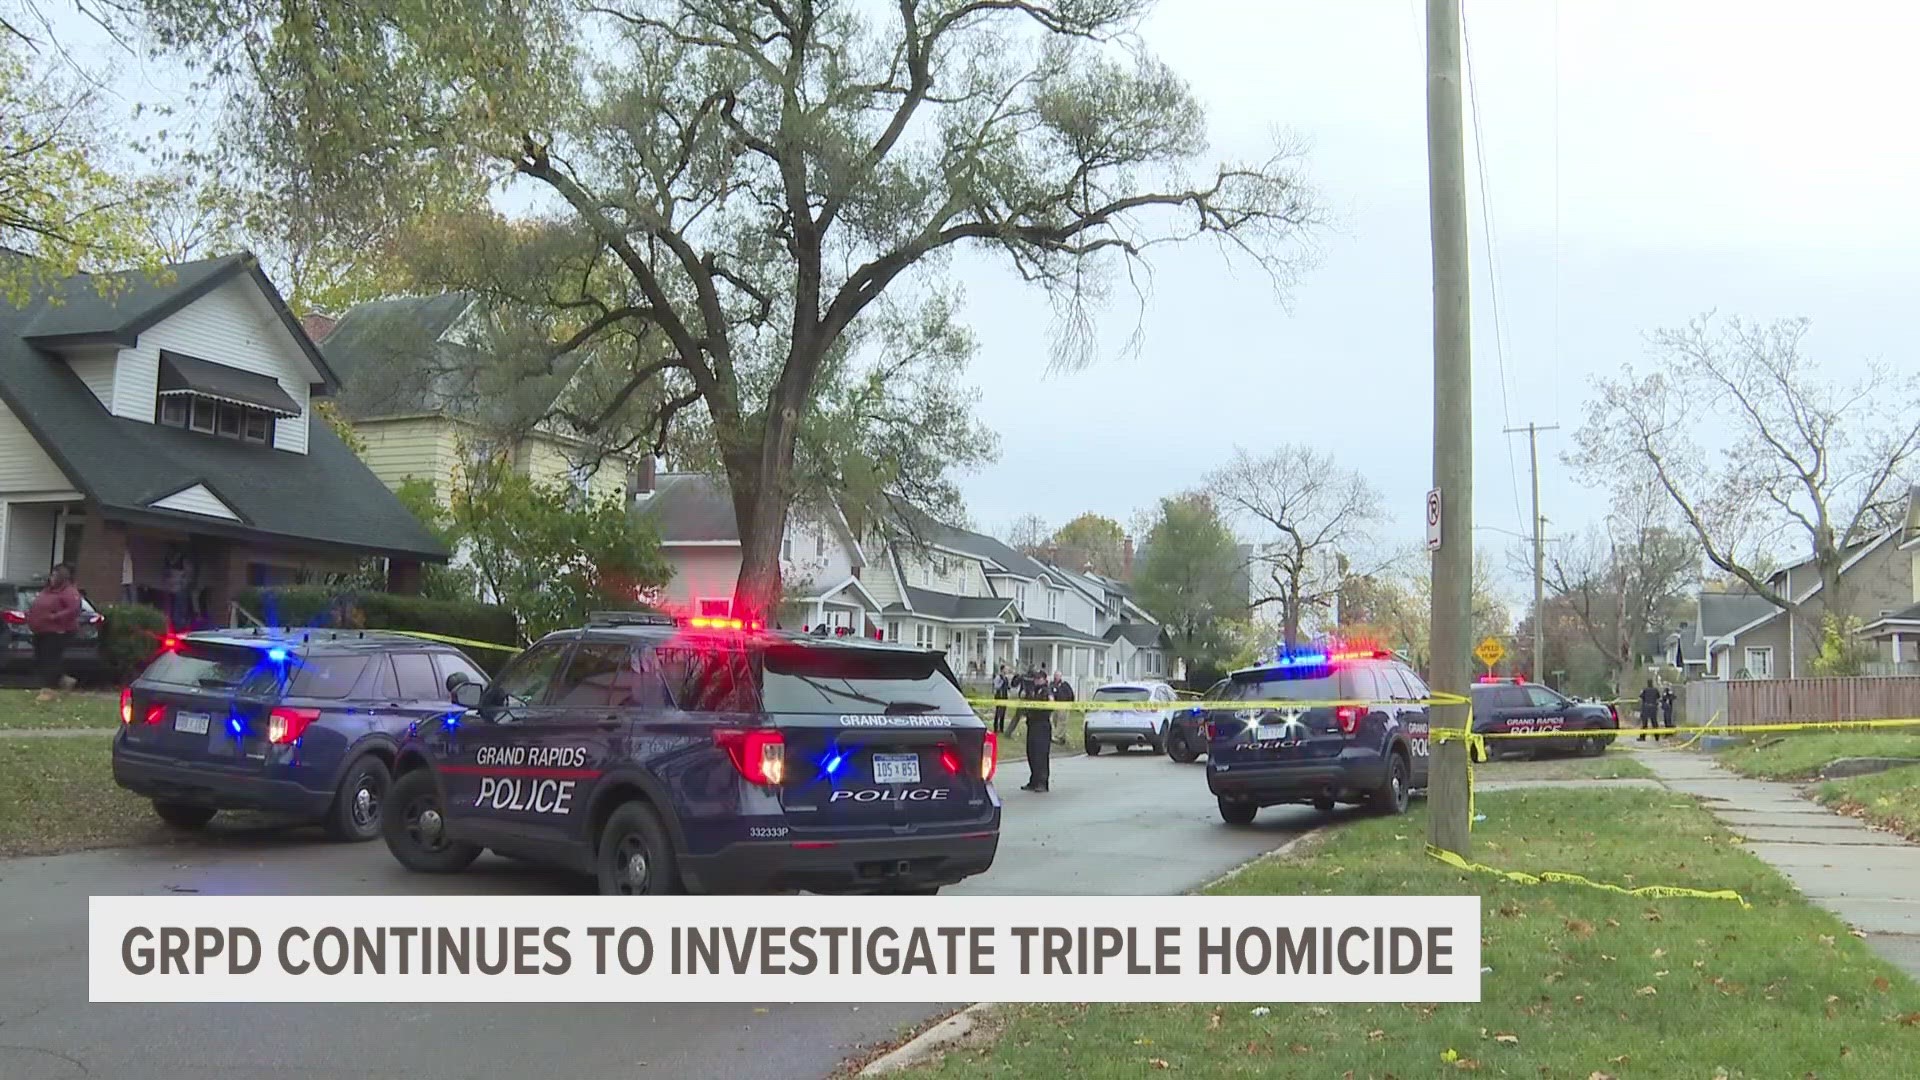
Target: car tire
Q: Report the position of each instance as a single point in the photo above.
(187, 817)
(1092, 748)
(1392, 794)
(414, 826)
(1324, 805)
(1157, 747)
(1593, 746)
(634, 856)
(922, 890)
(354, 816)
(1179, 749)
(1234, 813)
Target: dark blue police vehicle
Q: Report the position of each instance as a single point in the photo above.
(1372, 751)
(707, 755)
(306, 723)
(1518, 706)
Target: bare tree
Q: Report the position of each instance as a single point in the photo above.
(1623, 580)
(1029, 533)
(1314, 518)
(1802, 457)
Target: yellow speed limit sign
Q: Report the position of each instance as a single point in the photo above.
(1489, 652)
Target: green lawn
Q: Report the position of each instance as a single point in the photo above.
(1614, 765)
(59, 795)
(1801, 755)
(1014, 747)
(70, 709)
(1584, 984)
(1891, 799)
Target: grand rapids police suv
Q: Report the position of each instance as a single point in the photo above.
(1372, 751)
(708, 755)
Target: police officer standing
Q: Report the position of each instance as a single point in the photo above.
(1649, 711)
(1039, 732)
(1062, 691)
(1002, 687)
(1666, 709)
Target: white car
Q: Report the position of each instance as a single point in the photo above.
(1146, 726)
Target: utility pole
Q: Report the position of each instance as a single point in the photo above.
(1539, 544)
(1451, 614)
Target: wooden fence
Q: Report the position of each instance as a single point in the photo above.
(1787, 701)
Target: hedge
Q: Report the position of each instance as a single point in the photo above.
(130, 638)
(390, 611)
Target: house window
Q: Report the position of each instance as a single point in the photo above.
(893, 630)
(819, 544)
(786, 548)
(1760, 663)
(211, 417)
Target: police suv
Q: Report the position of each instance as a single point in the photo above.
(709, 755)
(1518, 706)
(1359, 734)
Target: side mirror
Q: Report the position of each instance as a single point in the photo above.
(467, 694)
(455, 680)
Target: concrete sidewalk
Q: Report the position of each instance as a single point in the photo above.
(1869, 878)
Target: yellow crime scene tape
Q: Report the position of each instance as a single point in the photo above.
(1555, 877)
(465, 642)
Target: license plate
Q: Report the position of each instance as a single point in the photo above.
(192, 723)
(896, 768)
(1271, 732)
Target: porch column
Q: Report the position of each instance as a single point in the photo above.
(993, 662)
(1016, 647)
(1053, 665)
(1896, 646)
(819, 612)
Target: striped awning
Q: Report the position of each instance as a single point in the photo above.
(191, 377)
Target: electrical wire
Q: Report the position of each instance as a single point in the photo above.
(1493, 269)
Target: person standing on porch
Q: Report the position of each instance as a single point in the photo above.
(53, 617)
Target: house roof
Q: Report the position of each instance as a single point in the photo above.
(1858, 551)
(326, 496)
(1899, 620)
(979, 545)
(1722, 613)
(939, 605)
(1139, 635)
(1047, 628)
(117, 308)
(689, 508)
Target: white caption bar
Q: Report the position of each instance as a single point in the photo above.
(784, 948)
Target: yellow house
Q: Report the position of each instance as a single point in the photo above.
(421, 406)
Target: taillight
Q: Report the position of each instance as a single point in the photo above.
(286, 725)
(155, 714)
(1213, 731)
(760, 755)
(94, 618)
(14, 618)
(126, 704)
(1348, 717)
(1615, 714)
(950, 761)
(989, 755)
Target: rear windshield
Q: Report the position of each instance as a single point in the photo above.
(799, 679)
(247, 671)
(1254, 687)
(1121, 693)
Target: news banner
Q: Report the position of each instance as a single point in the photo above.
(788, 948)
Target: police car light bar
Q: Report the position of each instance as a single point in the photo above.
(629, 618)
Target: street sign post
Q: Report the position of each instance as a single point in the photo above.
(1433, 520)
(1490, 653)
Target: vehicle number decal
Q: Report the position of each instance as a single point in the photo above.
(766, 832)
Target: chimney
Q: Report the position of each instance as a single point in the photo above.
(643, 473)
(1126, 558)
(318, 326)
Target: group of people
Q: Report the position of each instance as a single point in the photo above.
(1656, 710)
(1034, 685)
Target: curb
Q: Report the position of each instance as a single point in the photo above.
(926, 1045)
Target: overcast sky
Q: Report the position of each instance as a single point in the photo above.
(1645, 161)
(1753, 158)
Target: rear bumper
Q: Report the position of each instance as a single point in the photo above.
(1122, 736)
(1268, 783)
(155, 777)
(846, 866)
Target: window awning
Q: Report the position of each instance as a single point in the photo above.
(187, 376)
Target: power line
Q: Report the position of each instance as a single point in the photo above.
(1493, 273)
(1556, 210)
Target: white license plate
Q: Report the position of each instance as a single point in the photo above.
(192, 723)
(1270, 732)
(896, 768)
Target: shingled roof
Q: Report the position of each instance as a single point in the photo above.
(326, 496)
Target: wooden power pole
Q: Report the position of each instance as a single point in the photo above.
(1539, 550)
(1451, 625)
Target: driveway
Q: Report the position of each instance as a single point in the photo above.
(1128, 824)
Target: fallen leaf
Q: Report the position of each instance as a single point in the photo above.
(1881, 984)
(1213, 1022)
(1646, 991)
(1449, 1055)
(1143, 1042)
(1858, 933)
(1159, 1063)
(1650, 915)
(1604, 956)
(1598, 1075)
(1505, 1039)
(1621, 1060)
(1376, 1035)
(1300, 1048)
(1659, 974)
(1319, 1010)
(1579, 927)
(1467, 1064)
(1658, 953)
(1261, 1011)
(1826, 939)
(1911, 1019)
(1615, 923)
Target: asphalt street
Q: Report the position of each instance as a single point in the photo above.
(1129, 824)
